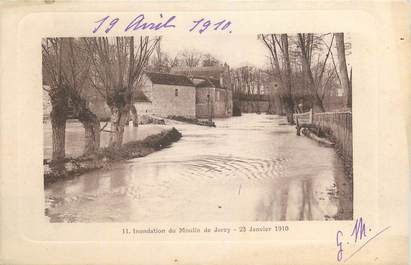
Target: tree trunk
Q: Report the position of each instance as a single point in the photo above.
(342, 65)
(305, 54)
(58, 118)
(92, 131)
(269, 106)
(119, 118)
(287, 79)
(279, 105)
(134, 116)
(350, 91)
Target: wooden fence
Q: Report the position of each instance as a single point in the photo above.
(340, 124)
(303, 118)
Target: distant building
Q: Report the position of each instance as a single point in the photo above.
(179, 95)
(219, 72)
(213, 89)
(163, 95)
(167, 95)
(212, 100)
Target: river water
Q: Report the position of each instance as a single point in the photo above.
(249, 168)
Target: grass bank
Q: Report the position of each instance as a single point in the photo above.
(71, 167)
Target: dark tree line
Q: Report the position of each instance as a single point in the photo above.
(161, 61)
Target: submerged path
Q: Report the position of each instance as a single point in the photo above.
(249, 168)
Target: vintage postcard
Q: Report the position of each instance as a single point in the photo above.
(230, 133)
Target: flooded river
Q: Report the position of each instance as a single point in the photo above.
(249, 168)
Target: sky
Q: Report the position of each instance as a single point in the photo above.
(235, 50)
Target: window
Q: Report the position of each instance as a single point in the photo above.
(176, 92)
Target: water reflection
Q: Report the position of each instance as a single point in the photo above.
(249, 168)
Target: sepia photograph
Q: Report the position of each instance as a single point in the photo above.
(205, 133)
(147, 129)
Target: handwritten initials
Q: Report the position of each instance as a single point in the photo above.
(358, 230)
(339, 245)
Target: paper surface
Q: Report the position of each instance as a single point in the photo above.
(379, 35)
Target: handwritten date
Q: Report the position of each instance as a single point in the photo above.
(140, 22)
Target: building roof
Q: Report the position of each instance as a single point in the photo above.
(169, 79)
(209, 82)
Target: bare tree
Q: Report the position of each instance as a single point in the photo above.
(275, 43)
(78, 77)
(66, 69)
(276, 97)
(287, 75)
(345, 79)
(306, 44)
(173, 62)
(190, 58)
(119, 63)
(160, 61)
(209, 60)
(53, 74)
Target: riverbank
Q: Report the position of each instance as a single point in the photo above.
(192, 121)
(344, 193)
(75, 136)
(71, 167)
(326, 137)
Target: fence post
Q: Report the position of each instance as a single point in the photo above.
(311, 116)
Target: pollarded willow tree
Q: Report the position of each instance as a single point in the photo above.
(118, 65)
(54, 85)
(65, 75)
